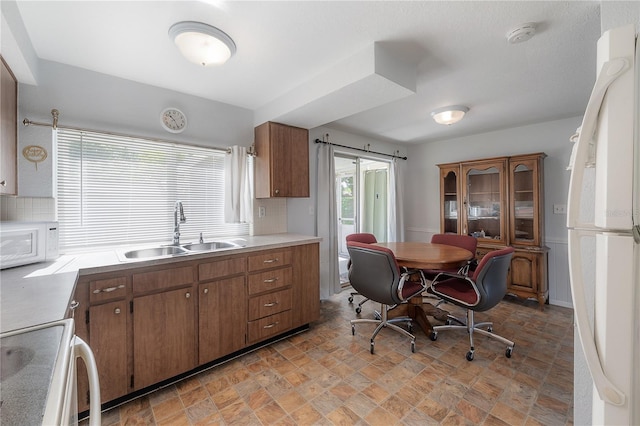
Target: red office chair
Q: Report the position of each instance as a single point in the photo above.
(480, 292)
(375, 274)
(466, 242)
(366, 238)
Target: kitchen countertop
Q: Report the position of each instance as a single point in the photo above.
(41, 293)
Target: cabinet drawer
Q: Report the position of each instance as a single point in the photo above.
(269, 304)
(271, 259)
(271, 280)
(269, 326)
(166, 278)
(221, 268)
(113, 288)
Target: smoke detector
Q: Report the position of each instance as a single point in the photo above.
(521, 33)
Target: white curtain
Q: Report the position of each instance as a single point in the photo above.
(238, 187)
(396, 202)
(327, 222)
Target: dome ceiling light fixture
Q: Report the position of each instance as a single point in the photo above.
(522, 32)
(449, 115)
(202, 44)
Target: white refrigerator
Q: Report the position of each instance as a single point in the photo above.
(603, 237)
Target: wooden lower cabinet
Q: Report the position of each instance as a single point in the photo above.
(222, 317)
(528, 276)
(164, 336)
(109, 343)
(149, 324)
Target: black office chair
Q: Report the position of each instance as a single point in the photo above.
(375, 274)
(361, 237)
(479, 292)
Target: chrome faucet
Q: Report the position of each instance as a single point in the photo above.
(178, 218)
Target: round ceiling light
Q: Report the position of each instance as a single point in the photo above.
(449, 115)
(202, 44)
(521, 33)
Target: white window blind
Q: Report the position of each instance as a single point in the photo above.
(122, 190)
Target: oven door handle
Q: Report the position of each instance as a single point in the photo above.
(83, 351)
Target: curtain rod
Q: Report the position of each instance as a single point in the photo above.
(361, 149)
(54, 125)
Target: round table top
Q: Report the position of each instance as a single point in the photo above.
(428, 255)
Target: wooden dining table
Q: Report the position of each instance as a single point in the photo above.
(417, 255)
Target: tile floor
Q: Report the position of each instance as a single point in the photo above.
(327, 376)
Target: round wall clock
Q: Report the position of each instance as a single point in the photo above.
(173, 120)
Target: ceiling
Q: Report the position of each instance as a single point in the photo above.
(291, 56)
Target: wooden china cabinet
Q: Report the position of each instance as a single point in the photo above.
(500, 201)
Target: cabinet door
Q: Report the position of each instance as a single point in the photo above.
(450, 199)
(222, 320)
(306, 284)
(282, 163)
(8, 130)
(109, 342)
(484, 190)
(164, 336)
(525, 201)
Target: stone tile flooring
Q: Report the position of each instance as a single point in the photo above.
(327, 376)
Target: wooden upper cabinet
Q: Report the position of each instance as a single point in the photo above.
(8, 130)
(526, 204)
(484, 200)
(282, 161)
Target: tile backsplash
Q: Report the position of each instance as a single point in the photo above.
(27, 208)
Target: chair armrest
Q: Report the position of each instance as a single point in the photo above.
(405, 277)
(449, 275)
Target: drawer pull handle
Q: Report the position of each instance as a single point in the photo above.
(269, 305)
(273, 324)
(271, 280)
(270, 260)
(107, 290)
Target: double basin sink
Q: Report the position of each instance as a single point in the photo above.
(181, 250)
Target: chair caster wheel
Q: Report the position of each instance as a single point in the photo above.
(490, 329)
(508, 352)
(433, 336)
(353, 330)
(358, 310)
(371, 348)
(413, 346)
(470, 356)
(410, 327)
(350, 299)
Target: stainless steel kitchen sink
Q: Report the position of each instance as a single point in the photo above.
(211, 246)
(181, 250)
(154, 252)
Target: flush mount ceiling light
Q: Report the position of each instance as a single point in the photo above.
(522, 32)
(449, 115)
(202, 44)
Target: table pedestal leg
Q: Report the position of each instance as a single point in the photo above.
(417, 314)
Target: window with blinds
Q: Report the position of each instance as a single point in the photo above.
(122, 190)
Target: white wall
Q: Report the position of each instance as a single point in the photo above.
(422, 190)
(97, 101)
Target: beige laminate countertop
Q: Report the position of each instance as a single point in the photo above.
(41, 293)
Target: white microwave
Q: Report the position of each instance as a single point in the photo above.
(22, 243)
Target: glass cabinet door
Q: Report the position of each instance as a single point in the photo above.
(450, 203)
(484, 214)
(524, 202)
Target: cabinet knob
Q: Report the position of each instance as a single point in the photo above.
(116, 311)
(277, 191)
(187, 295)
(3, 183)
(205, 291)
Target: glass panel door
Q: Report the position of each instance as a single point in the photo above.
(483, 198)
(450, 222)
(523, 203)
(347, 196)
